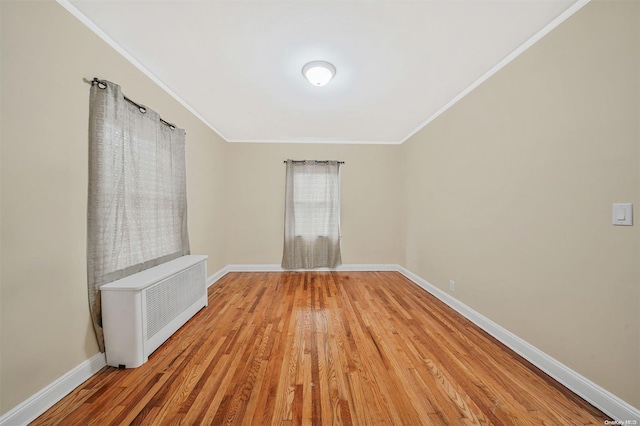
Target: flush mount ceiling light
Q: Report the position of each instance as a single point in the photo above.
(318, 72)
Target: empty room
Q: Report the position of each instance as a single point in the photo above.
(320, 212)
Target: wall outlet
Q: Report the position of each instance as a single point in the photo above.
(452, 285)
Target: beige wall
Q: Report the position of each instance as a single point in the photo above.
(509, 193)
(45, 329)
(370, 192)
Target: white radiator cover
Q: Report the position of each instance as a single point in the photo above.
(141, 311)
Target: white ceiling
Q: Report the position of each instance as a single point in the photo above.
(237, 64)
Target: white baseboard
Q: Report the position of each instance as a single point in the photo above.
(580, 385)
(599, 397)
(277, 268)
(272, 267)
(216, 276)
(38, 403)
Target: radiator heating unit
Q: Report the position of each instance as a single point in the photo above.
(141, 311)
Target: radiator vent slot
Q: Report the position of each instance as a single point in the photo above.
(168, 299)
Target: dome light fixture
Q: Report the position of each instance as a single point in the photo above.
(318, 72)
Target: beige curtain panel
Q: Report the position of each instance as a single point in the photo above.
(137, 204)
(312, 215)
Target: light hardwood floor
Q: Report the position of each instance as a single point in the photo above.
(321, 348)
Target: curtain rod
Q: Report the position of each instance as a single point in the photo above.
(102, 85)
(315, 161)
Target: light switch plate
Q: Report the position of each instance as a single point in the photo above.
(622, 214)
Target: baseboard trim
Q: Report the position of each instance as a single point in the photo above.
(272, 267)
(277, 268)
(216, 276)
(591, 392)
(38, 403)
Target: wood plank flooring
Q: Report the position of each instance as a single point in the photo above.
(325, 348)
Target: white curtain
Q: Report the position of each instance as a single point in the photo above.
(137, 204)
(312, 215)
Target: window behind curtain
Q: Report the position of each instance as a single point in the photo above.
(312, 215)
(137, 205)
